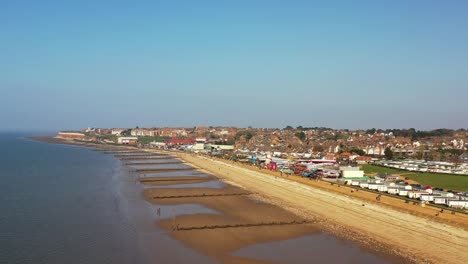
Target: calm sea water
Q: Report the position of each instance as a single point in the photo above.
(69, 204)
(62, 204)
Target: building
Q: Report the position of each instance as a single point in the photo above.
(71, 135)
(117, 131)
(220, 147)
(144, 132)
(363, 159)
(160, 145)
(181, 141)
(349, 173)
(199, 144)
(463, 157)
(127, 140)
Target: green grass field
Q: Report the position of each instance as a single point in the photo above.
(147, 140)
(446, 181)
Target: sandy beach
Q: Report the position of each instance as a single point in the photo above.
(260, 206)
(374, 225)
(242, 218)
(240, 221)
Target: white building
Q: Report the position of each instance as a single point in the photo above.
(127, 140)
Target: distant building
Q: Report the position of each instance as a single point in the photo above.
(158, 145)
(71, 135)
(199, 144)
(127, 140)
(352, 173)
(363, 159)
(181, 141)
(117, 131)
(220, 147)
(463, 157)
(344, 155)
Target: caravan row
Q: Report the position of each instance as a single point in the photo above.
(428, 195)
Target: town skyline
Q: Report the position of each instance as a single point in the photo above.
(244, 63)
(78, 128)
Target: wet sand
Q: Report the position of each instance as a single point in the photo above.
(259, 208)
(164, 181)
(243, 219)
(236, 226)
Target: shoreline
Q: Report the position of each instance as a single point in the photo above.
(388, 243)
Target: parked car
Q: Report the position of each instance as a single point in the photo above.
(286, 171)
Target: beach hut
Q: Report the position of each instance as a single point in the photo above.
(415, 194)
(374, 186)
(457, 203)
(364, 184)
(376, 180)
(393, 190)
(442, 193)
(357, 182)
(403, 192)
(428, 197)
(382, 188)
(442, 199)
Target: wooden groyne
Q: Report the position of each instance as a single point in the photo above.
(175, 179)
(125, 152)
(273, 223)
(139, 155)
(109, 150)
(200, 195)
(144, 157)
(153, 163)
(142, 171)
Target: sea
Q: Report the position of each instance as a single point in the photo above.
(71, 204)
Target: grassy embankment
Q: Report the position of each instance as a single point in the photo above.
(446, 181)
(147, 140)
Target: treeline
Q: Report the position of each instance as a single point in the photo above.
(416, 134)
(247, 133)
(307, 128)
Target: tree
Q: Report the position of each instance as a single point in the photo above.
(360, 152)
(248, 135)
(288, 128)
(318, 148)
(388, 153)
(126, 132)
(301, 135)
(419, 154)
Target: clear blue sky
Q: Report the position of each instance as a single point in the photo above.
(339, 64)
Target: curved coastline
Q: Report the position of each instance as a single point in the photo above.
(393, 232)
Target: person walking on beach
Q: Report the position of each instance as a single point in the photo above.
(159, 212)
